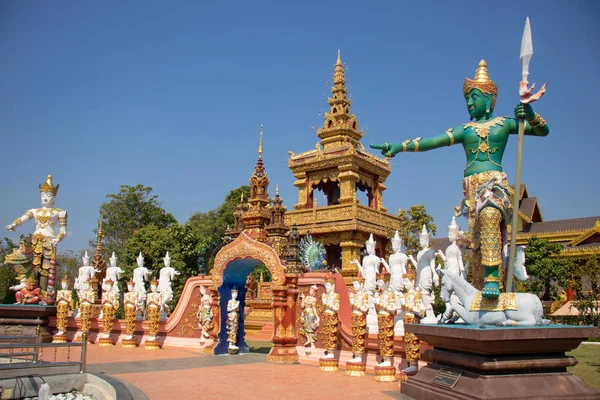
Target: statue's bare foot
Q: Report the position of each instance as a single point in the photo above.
(411, 370)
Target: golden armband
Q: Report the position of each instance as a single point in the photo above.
(537, 121)
(404, 145)
(17, 222)
(61, 235)
(450, 136)
(29, 214)
(416, 142)
(62, 221)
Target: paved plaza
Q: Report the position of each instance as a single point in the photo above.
(188, 374)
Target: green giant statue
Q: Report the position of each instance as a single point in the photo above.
(487, 195)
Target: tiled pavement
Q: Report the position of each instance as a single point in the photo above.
(186, 374)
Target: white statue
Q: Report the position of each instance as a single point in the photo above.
(132, 310)
(385, 303)
(331, 303)
(85, 272)
(167, 274)
(233, 319)
(44, 238)
(110, 303)
(205, 312)
(310, 317)
(140, 274)
(153, 304)
(452, 262)
(370, 266)
(397, 265)
(426, 276)
(113, 273)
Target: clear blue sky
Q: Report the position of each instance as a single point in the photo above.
(172, 94)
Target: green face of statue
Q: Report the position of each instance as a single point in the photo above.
(477, 104)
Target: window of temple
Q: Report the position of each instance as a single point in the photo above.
(335, 110)
(329, 123)
(354, 125)
(333, 255)
(328, 193)
(364, 195)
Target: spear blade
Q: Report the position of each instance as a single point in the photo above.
(526, 49)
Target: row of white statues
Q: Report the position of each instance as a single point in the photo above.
(141, 274)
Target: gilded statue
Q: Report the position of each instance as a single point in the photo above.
(385, 304)
(310, 317)
(64, 304)
(487, 195)
(359, 301)
(34, 259)
(330, 331)
(411, 305)
(205, 313)
(233, 321)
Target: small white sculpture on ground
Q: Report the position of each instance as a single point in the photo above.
(140, 274)
(132, 310)
(85, 272)
(167, 274)
(331, 303)
(113, 273)
(110, 303)
(359, 300)
(452, 262)
(205, 312)
(310, 318)
(153, 304)
(233, 320)
(426, 276)
(385, 303)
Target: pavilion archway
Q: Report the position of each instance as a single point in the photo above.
(232, 265)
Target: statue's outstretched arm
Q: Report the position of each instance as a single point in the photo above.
(451, 137)
(21, 220)
(535, 126)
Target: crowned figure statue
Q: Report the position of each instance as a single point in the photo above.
(487, 195)
(86, 271)
(370, 265)
(64, 304)
(35, 259)
(30, 294)
(310, 318)
(426, 275)
(87, 297)
(167, 274)
(397, 264)
(140, 274)
(113, 273)
(153, 304)
(233, 321)
(452, 262)
(385, 304)
(359, 301)
(411, 305)
(132, 306)
(330, 330)
(110, 303)
(205, 313)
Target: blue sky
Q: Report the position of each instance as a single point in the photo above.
(171, 95)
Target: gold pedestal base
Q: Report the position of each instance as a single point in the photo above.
(79, 339)
(385, 374)
(328, 364)
(128, 343)
(59, 338)
(151, 345)
(356, 369)
(106, 342)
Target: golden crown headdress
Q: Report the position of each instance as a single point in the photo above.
(482, 82)
(109, 282)
(48, 186)
(31, 281)
(65, 279)
(330, 279)
(410, 274)
(131, 282)
(154, 282)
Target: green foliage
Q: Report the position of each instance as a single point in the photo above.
(126, 212)
(261, 269)
(67, 263)
(544, 268)
(7, 275)
(413, 220)
(587, 289)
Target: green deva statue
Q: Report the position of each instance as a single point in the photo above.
(487, 195)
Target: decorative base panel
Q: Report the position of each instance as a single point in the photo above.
(356, 369)
(59, 338)
(128, 343)
(151, 345)
(283, 355)
(385, 374)
(106, 342)
(328, 364)
(79, 339)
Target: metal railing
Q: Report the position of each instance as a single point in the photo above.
(17, 352)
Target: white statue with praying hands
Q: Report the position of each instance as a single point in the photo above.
(167, 274)
(369, 270)
(140, 274)
(113, 273)
(452, 262)
(85, 272)
(427, 276)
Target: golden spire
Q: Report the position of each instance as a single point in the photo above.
(276, 190)
(260, 148)
(339, 60)
(97, 262)
(339, 79)
(481, 75)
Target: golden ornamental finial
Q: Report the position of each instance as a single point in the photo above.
(276, 190)
(260, 147)
(339, 60)
(48, 186)
(481, 75)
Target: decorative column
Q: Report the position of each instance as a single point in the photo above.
(281, 351)
(348, 176)
(351, 250)
(291, 317)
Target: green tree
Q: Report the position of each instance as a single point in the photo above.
(67, 263)
(125, 212)
(412, 221)
(544, 268)
(7, 275)
(587, 288)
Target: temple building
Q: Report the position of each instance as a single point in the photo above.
(339, 167)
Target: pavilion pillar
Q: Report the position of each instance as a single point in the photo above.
(284, 336)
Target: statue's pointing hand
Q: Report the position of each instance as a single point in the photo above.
(10, 227)
(388, 150)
